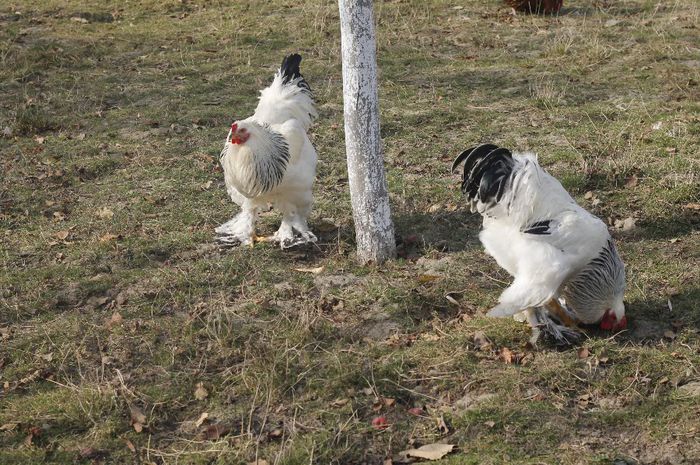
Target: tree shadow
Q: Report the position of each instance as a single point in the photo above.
(443, 231)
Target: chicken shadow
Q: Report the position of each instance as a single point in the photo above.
(661, 318)
(677, 225)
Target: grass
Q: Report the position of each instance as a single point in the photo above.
(115, 305)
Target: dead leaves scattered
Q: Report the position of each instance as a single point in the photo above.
(382, 402)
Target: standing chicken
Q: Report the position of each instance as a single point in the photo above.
(557, 252)
(268, 159)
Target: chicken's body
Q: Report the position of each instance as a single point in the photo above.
(551, 246)
(268, 159)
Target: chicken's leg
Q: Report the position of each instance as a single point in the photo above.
(240, 229)
(555, 308)
(543, 325)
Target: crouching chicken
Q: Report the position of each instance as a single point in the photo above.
(565, 265)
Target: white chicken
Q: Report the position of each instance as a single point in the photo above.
(268, 159)
(562, 257)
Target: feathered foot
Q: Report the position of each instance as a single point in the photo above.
(231, 240)
(238, 231)
(292, 232)
(288, 238)
(547, 326)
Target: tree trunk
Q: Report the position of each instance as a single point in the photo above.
(374, 229)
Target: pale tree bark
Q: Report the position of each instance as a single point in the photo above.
(374, 229)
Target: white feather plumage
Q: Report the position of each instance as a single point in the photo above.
(539, 234)
(276, 165)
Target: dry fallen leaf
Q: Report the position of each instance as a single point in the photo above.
(202, 418)
(214, 432)
(130, 445)
(108, 237)
(339, 402)
(481, 342)
(90, 453)
(316, 270)
(34, 432)
(430, 451)
(583, 353)
(105, 213)
(62, 235)
(441, 425)
(115, 320)
(692, 206)
(632, 181)
(8, 426)
(200, 392)
(380, 423)
(427, 278)
(138, 419)
(506, 355)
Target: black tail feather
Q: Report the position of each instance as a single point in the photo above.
(487, 172)
(290, 71)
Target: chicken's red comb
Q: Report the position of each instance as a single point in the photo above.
(234, 127)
